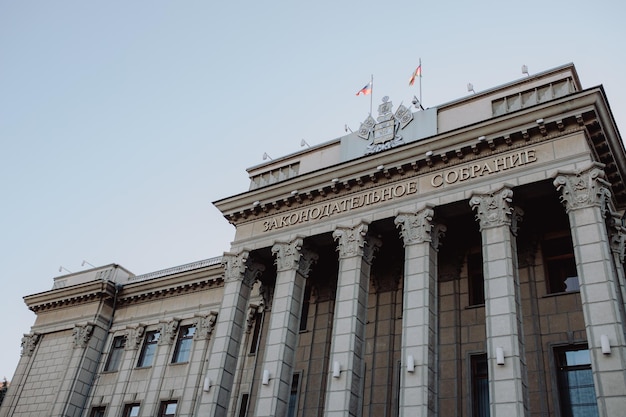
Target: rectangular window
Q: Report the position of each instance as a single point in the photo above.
(560, 265)
(115, 356)
(292, 409)
(480, 386)
(243, 405)
(183, 344)
(304, 316)
(97, 412)
(577, 394)
(476, 279)
(149, 348)
(168, 408)
(131, 410)
(254, 343)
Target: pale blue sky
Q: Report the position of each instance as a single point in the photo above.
(121, 121)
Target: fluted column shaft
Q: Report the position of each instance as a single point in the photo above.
(239, 276)
(503, 317)
(293, 264)
(586, 197)
(420, 235)
(348, 336)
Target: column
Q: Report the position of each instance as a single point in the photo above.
(345, 385)
(586, 195)
(293, 264)
(239, 276)
(503, 317)
(418, 388)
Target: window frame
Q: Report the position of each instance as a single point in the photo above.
(128, 409)
(98, 411)
(114, 358)
(164, 405)
(184, 343)
(475, 279)
(477, 360)
(562, 372)
(148, 349)
(559, 265)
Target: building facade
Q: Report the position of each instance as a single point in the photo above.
(462, 260)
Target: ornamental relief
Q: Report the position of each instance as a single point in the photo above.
(134, 336)
(204, 325)
(493, 209)
(168, 331)
(584, 189)
(82, 334)
(29, 342)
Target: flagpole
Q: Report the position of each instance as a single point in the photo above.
(420, 67)
(372, 92)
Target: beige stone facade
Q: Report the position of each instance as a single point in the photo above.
(463, 260)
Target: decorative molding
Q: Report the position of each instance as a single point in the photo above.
(234, 265)
(287, 255)
(134, 336)
(350, 241)
(617, 236)
(253, 309)
(372, 244)
(419, 227)
(493, 209)
(307, 260)
(178, 269)
(267, 294)
(204, 325)
(253, 272)
(29, 342)
(586, 188)
(81, 334)
(168, 331)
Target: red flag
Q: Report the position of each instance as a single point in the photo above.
(416, 73)
(365, 90)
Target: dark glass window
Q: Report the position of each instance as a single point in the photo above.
(304, 317)
(243, 405)
(131, 410)
(476, 279)
(293, 396)
(480, 386)
(183, 344)
(97, 412)
(560, 265)
(115, 356)
(254, 343)
(168, 408)
(577, 394)
(149, 348)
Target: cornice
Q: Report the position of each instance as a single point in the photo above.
(172, 285)
(71, 295)
(576, 112)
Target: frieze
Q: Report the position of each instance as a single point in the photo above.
(399, 190)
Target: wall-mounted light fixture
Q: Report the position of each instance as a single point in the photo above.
(336, 369)
(499, 355)
(429, 154)
(266, 377)
(410, 363)
(206, 387)
(605, 344)
(481, 138)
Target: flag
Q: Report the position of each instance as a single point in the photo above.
(365, 90)
(416, 73)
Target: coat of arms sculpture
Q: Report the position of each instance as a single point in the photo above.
(383, 131)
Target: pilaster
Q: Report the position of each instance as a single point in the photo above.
(345, 385)
(586, 197)
(498, 221)
(418, 391)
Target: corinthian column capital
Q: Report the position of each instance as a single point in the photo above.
(493, 209)
(584, 188)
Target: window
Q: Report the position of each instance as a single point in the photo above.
(254, 343)
(577, 394)
(168, 408)
(560, 266)
(480, 386)
(115, 356)
(476, 279)
(149, 348)
(243, 405)
(97, 412)
(293, 396)
(304, 314)
(131, 410)
(183, 344)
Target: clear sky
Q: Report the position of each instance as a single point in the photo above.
(122, 121)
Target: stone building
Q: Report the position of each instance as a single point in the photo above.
(460, 260)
